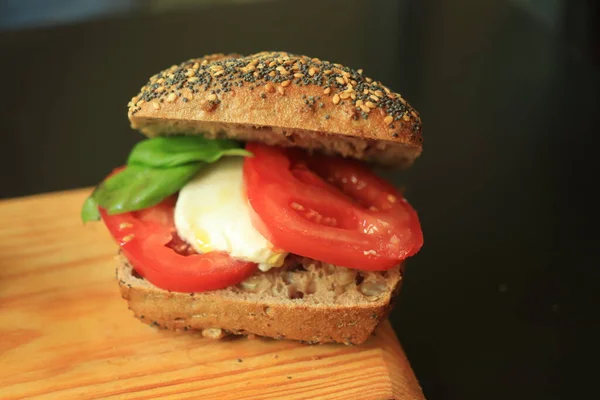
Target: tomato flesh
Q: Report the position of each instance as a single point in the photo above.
(149, 241)
(329, 208)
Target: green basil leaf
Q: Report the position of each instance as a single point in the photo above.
(89, 211)
(138, 187)
(173, 151)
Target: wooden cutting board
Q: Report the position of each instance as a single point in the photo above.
(66, 333)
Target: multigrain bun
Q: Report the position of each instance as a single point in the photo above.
(284, 100)
(306, 300)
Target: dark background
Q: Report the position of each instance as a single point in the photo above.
(502, 300)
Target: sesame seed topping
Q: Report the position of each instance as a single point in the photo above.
(220, 74)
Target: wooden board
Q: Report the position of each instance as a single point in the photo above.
(66, 333)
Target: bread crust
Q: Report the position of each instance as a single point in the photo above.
(282, 99)
(216, 314)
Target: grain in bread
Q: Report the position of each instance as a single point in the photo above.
(304, 300)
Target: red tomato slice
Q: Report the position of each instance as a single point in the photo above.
(150, 243)
(329, 208)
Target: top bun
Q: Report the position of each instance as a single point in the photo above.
(281, 99)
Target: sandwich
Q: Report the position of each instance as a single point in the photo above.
(251, 207)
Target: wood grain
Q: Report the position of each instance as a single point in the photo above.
(65, 332)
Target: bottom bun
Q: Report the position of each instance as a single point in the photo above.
(305, 300)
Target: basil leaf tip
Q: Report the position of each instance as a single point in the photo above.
(89, 211)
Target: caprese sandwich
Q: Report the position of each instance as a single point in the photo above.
(251, 208)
